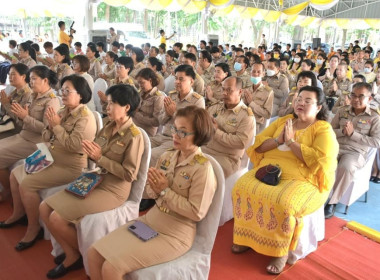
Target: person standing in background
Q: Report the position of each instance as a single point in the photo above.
(63, 38)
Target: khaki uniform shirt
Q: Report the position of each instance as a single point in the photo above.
(366, 130)
(161, 83)
(110, 71)
(359, 64)
(280, 85)
(199, 84)
(151, 105)
(135, 71)
(35, 122)
(170, 69)
(340, 102)
(192, 184)
(22, 97)
(192, 98)
(208, 74)
(76, 126)
(28, 62)
(116, 81)
(343, 86)
(121, 156)
(217, 91)
(236, 127)
(245, 77)
(291, 78)
(218, 60)
(261, 105)
(95, 68)
(286, 107)
(62, 70)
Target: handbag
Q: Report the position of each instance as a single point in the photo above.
(84, 184)
(269, 174)
(6, 123)
(39, 160)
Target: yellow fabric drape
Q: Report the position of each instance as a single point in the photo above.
(294, 10)
(117, 3)
(225, 11)
(156, 5)
(321, 2)
(219, 2)
(192, 7)
(307, 21)
(247, 12)
(272, 16)
(373, 23)
(342, 23)
(290, 20)
(281, 2)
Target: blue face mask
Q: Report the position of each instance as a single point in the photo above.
(255, 80)
(237, 66)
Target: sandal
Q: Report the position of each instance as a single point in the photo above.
(276, 265)
(238, 249)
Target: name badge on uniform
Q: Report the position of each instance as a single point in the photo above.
(165, 164)
(184, 175)
(232, 122)
(364, 121)
(121, 144)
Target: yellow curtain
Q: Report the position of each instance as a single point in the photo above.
(290, 20)
(281, 2)
(219, 2)
(117, 3)
(373, 23)
(342, 23)
(192, 7)
(225, 11)
(294, 10)
(321, 2)
(156, 5)
(307, 21)
(247, 12)
(272, 16)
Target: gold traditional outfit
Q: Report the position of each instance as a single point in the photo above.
(269, 218)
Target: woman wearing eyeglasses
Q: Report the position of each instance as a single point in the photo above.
(183, 184)
(65, 132)
(267, 218)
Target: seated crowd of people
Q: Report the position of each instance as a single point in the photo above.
(312, 114)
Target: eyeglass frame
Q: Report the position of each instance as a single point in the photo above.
(66, 92)
(305, 102)
(361, 97)
(174, 130)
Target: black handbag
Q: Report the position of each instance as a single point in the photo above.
(269, 174)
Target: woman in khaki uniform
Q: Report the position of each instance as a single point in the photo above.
(183, 184)
(156, 66)
(137, 57)
(152, 102)
(214, 91)
(109, 71)
(95, 67)
(65, 131)
(21, 95)
(62, 64)
(117, 150)
(23, 144)
(27, 55)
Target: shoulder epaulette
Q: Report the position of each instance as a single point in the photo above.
(52, 95)
(268, 87)
(170, 149)
(196, 95)
(84, 111)
(159, 93)
(248, 109)
(172, 92)
(201, 159)
(134, 129)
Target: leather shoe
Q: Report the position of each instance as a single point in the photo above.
(329, 210)
(60, 270)
(372, 179)
(22, 221)
(145, 204)
(25, 245)
(376, 180)
(59, 259)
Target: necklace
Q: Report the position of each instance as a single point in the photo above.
(302, 131)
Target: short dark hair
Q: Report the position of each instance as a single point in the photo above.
(92, 47)
(154, 61)
(65, 52)
(178, 45)
(367, 86)
(171, 53)
(125, 95)
(308, 74)
(84, 62)
(13, 43)
(187, 69)
(201, 122)
(60, 23)
(139, 54)
(26, 47)
(370, 62)
(116, 44)
(36, 47)
(203, 42)
(127, 62)
(147, 45)
(309, 63)
(321, 101)
(78, 44)
(245, 60)
(128, 46)
(111, 28)
(22, 69)
(215, 50)
(100, 44)
(191, 56)
(155, 49)
(206, 55)
(47, 44)
(360, 76)
(225, 68)
(162, 46)
(112, 55)
(285, 59)
(148, 74)
(44, 73)
(275, 61)
(81, 86)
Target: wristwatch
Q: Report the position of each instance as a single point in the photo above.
(163, 192)
(290, 141)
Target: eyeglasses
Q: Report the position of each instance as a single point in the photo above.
(66, 91)
(180, 133)
(119, 66)
(306, 102)
(361, 97)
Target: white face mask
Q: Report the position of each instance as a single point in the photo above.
(297, 60)
(319, 61)
(367, 70)
(270, 73)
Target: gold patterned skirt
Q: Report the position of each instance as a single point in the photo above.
(269, 218)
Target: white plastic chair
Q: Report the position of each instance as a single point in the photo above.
(169, 84)
(227, 211)
(195, 264)
(360, 184)
(100, 84)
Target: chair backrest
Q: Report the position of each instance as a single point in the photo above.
(138, 185)
(100, 84)
(99, 121)
(8, 89)
(208, 227)
(245, 160)
(169, 84)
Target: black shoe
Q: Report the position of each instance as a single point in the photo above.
(22, 221)
(60, 270)
(329, 210)
(145, 204)
(376, 180)
(25, 245)
(372, 178)
(59, 259)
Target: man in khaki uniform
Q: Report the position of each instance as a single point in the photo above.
(357, 128)
(278, 82)
(217, 56)
(234, 127)
(237, 52)
(240, 71)
(182, 97)
(199, 84)
(358, 64)
(205, 67)
(259, 97)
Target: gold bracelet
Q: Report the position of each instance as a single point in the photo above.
(290, 141)
(276, 140)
